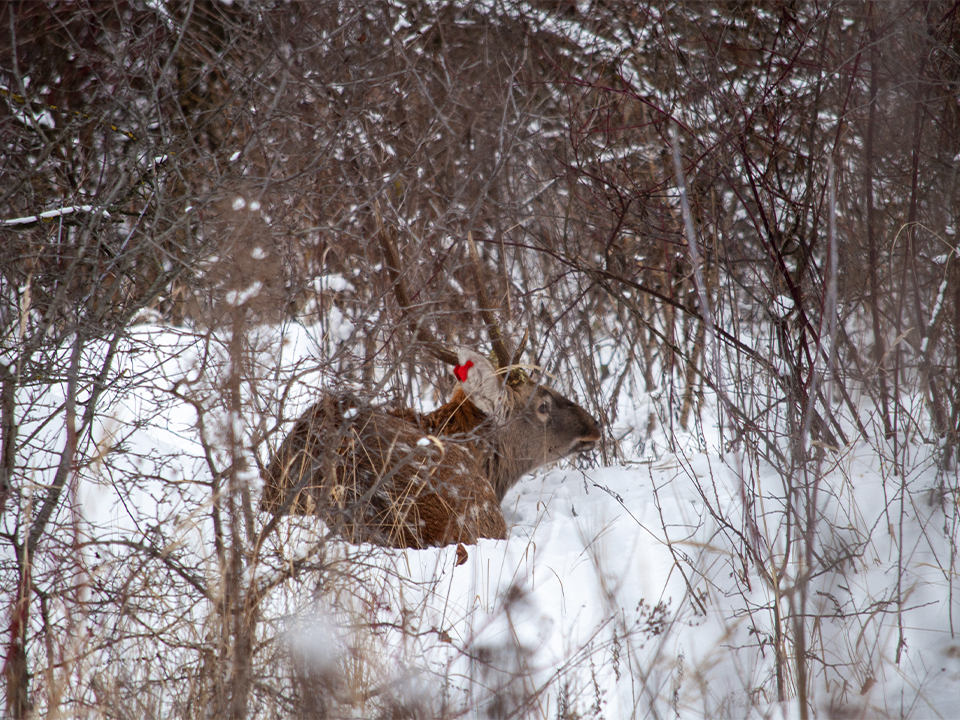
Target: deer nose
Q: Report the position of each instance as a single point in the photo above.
(585, 446)
(588, 441)
(597, 430)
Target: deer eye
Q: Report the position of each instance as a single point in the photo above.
(543, 408)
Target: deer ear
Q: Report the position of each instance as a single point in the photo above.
(480, 382)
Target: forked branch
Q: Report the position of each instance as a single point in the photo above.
(501, 347)
(391, 260)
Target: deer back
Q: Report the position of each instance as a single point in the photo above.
(376, 476)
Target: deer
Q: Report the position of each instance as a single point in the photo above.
(398, 478)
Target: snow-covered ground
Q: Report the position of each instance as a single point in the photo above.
(654, 589)
(617, 595)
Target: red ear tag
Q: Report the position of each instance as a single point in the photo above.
(461, 370)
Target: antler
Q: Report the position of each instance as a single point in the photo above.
(518, 355)
(501, 348)
(392, 261)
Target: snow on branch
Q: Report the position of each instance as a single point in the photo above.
(49, 214)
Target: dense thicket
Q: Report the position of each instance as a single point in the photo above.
(218, 167)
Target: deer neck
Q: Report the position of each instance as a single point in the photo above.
(503, 470)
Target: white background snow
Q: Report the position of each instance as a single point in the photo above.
(622, 592)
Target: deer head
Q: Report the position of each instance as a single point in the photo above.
(526, 424)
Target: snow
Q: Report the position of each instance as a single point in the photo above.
(50, 214)
(239, 297)
(334, 282)
(937, 306)
(621, 591)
